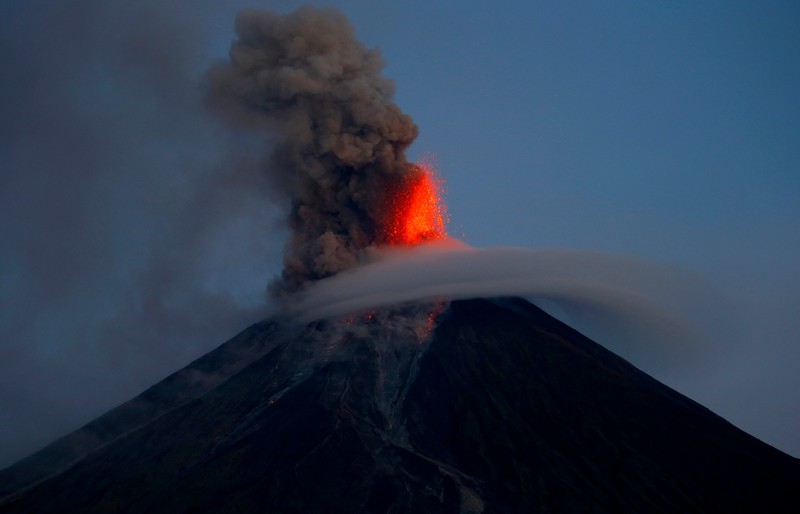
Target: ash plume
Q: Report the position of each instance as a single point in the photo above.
(305, 77)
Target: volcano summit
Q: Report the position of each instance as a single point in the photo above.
(474, 406)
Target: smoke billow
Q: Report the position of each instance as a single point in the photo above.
(307, 78)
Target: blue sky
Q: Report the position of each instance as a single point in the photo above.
(664, 129)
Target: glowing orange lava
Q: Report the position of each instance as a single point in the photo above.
(416, 209)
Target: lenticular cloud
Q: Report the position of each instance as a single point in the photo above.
(642, 310)
(454, 270)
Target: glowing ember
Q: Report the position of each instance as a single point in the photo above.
(417, 212)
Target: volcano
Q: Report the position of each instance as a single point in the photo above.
(476, 406)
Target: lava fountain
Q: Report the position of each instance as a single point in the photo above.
(415, 209)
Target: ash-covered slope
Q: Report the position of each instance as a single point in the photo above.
(493, 407)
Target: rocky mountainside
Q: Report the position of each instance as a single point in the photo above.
(478, 406)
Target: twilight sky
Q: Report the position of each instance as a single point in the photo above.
(136, 232)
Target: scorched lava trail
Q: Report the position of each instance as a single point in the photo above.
(416, 211)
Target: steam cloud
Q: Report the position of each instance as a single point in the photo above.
(305, 77)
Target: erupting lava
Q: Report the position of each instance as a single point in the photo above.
(416, 209)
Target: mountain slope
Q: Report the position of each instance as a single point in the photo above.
(499, 408)
(191, 382)
(550, 421)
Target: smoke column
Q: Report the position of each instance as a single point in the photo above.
(305, 77)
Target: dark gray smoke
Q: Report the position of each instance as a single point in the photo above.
(307, 78)
(131, 241)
